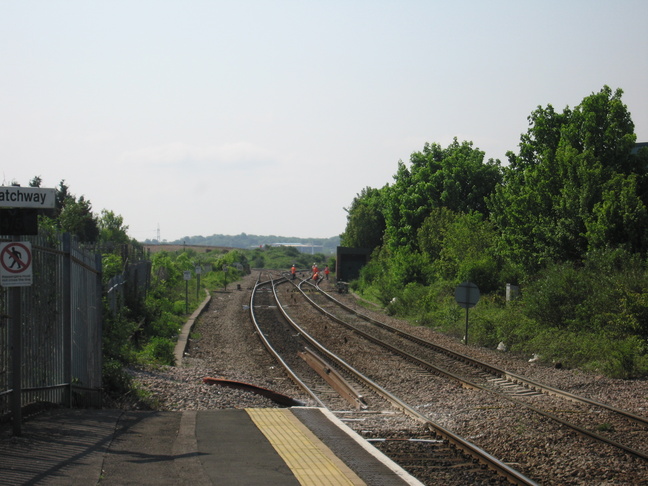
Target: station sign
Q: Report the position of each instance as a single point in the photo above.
(27, 197)
(16, 264)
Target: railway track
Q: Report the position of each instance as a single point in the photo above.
(435, 454)
(606, 424)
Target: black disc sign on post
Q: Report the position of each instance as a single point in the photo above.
(467, 295)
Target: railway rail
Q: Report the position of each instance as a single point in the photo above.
(624, 430)
(329, 381)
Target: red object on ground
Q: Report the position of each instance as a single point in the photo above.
(274, 396)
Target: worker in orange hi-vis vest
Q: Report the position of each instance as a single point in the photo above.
(293, 271)
(315, 276)
(326, 272)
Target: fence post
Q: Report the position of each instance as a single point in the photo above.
(99, 323)
(66, 293)
(15, 307)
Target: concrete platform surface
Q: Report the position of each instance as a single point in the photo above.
(273, 446)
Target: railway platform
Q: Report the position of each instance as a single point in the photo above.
(269, 447)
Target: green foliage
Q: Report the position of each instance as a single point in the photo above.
(258, 259)
(623, 358)
(179, 307)
(607, 295)
(371, 279)
(146, 334)
(432, 233)
(365, 220)
(159, 350)
(111, 265)
(620, 218)
(411, 296)
(566, 220)
(117, 331)
(455, 178)
(469, 253)
(115, 380)
(572, 187)
(76, 218)
(74, 215)
(164, 270)
(283, 257)
(553, 297)
(112, 228)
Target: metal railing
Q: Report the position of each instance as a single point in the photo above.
(56, 324)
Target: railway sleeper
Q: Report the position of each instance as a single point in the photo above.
(514, 388)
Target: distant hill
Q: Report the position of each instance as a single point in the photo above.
(329, 245)
(172, 247)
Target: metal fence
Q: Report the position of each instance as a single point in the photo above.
(128, 287)
(57, 331)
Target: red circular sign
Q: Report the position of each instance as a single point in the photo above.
(15, 257)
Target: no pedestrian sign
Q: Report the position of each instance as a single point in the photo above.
(16, 264)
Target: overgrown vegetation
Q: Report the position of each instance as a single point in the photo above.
(145, 332)
(566, 222)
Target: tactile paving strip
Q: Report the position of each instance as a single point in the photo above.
(311, 461)
(366, 461)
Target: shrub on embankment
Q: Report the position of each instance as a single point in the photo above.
(593, 316)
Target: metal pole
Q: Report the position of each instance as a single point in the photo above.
(466, 343)
(99, 320)
(66, 295)
(16, 357)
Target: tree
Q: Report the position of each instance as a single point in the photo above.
(71, 215)
(62, 195)
(549, 205)
(432, 233)
(455, 178)
(77, 219)
(469, 252)
(365, 221)
(620, 218)
(112, 228)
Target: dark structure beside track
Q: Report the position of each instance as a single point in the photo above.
(349, 262)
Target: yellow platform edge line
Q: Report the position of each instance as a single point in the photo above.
(310, 460)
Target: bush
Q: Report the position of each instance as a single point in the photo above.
(159, 350)
(623, 359)
(166, 325)
(554, 296)
(180, 307)
(115, 380)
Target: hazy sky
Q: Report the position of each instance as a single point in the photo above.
(268, 117)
